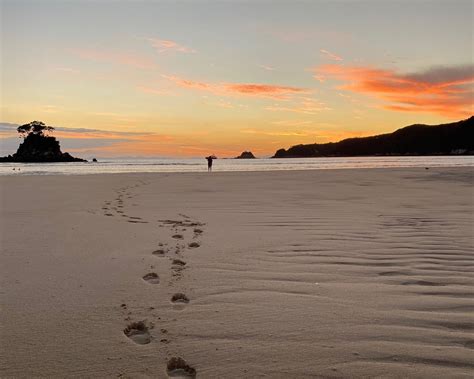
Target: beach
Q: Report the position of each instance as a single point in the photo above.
(292, 274)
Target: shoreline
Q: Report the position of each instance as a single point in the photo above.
(152, 167)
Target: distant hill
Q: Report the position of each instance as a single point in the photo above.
(456, 138)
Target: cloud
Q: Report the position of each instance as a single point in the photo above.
(163, 46)
(71, 139)
(292, 122)
(152, 91)
(190, 84)
(445, 75)
(265, 67)
(225, 104)
(271, 91)
(86, 142)
(9, 129)
(330, 55)
(442, 90)
(114, 57)
(319, 78)
(265, 90)
(165, 145)
(322, 135)
(305, 105)
(289, 133)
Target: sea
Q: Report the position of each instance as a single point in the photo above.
(118, 165)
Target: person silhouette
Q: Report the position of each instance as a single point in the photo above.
(210, 158)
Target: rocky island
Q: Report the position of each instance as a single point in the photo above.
(39, 146)
(246, 155)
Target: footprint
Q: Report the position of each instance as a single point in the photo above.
(138, 332)
(178, 262)
(177, 367)
(108, 214)
(197, 231)
(179, 298)
(193, 245)
(178, 236)
(159, 252)
(152, 278)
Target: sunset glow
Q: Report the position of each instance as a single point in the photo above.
(198, 78)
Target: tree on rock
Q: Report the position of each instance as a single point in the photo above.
(35, 127)
(39, 146)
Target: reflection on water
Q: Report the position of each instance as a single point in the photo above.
(197, 165)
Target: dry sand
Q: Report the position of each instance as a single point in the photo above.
(341, 273)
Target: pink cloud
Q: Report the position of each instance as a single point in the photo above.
(264, 90)
(330, 55)
(191, 84)
(163, 46)
(447, 91)
(240, 89)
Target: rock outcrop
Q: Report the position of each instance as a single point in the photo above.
(40, 148)
(246, 155)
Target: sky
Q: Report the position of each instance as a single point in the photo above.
(193, 78)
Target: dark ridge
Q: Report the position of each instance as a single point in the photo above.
(456, 138)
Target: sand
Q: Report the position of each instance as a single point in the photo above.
(336, 273)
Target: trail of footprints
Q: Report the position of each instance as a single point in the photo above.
(140, 332)
(115, 207)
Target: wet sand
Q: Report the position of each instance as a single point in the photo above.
(336, 273)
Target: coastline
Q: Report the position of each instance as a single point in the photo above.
(340, 272)
(198, 165)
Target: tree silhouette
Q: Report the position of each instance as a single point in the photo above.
(35, 127)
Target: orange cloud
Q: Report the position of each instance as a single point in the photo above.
(239, 89)
(114, 57)
(163, 46)
(191, 84)
(305, 105)
(330, 55)
(447, 91)
(265, 90)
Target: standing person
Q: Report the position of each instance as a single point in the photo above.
(210, 158)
